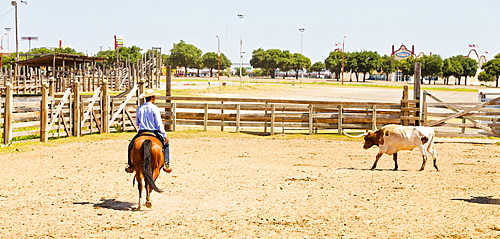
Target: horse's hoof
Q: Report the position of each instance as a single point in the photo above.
(148, 204)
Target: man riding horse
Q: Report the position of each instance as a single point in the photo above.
(148, 119)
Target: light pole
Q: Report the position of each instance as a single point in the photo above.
(15, 3)
(1, 41)
(241, 47)
(301, 30)
(218, 58)
(343, 39)
(16, 70)
(8, 38)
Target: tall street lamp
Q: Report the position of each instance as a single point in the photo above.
(1, 42)
(218, 58)
(241, 47)
(8, 38)
(301, 30)
(15, 4)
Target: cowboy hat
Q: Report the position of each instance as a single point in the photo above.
(148, 93)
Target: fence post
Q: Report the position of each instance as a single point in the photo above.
(141, 90)
(273, 117)
(44, 117)
(238, 109)
(339, 119)
(374, 117)
(416, 90)
(174, 116)
(205, 117)
(8, 107)
(77, 128)
(222, 115)
(105, 107)
(168, 93)
(51, 87)
(404, 111)
(311, 119)
(424, 113)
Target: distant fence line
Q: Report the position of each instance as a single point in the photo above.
(40, 117)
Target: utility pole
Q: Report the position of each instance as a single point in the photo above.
(343, 40)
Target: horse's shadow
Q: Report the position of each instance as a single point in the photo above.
(374, 170)
(480, 200)
(111, 204)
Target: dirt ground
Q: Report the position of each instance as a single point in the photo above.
(251, 187)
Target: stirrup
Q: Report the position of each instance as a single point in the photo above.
(166, 168)
(129, 169)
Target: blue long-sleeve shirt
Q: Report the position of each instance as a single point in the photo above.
(148, 117)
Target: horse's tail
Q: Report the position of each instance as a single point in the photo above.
(146, 165)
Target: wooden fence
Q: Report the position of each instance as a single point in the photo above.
(70, 113)
(271, 115)
(459, 119)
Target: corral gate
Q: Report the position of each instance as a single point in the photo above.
(461, 119)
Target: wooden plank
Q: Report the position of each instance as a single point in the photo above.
(123, 104)
(26, 124)
(21, 116)
(59, 107)
(90, 106)
(270, 101)
(26, 133)
(273, 118)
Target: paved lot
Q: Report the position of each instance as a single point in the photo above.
(334, 92)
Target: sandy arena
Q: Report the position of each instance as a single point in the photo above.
(251, 187)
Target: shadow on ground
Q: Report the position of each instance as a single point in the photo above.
(111, 204)
(480, 200)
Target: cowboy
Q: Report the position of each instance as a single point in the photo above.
(148, 119)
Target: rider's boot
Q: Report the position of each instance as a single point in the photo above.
(166, 154)
(130, 167)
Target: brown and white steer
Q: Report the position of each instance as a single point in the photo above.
(392, 138)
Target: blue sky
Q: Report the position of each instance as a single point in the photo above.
(444, 27)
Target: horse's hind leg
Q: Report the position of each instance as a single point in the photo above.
(148, 194)
(139, 187)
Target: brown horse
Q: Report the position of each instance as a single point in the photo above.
(147, 158)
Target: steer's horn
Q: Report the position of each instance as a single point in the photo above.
(357, 136)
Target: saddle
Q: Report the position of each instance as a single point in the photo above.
(148, 134)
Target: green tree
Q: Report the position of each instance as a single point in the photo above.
(299, 62)
(406, 66)
(351, 63)
(8, 59)
(132, 54)
(211, 61)
(469, 67)
(334, 63)
(368, 62)
(285, 62)
(451, 68)
(492, 67)
(268, 60)
(484, 76)
(317, 67)
(431, 66)
(388, 65)
(41, 51)
(185, 55)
